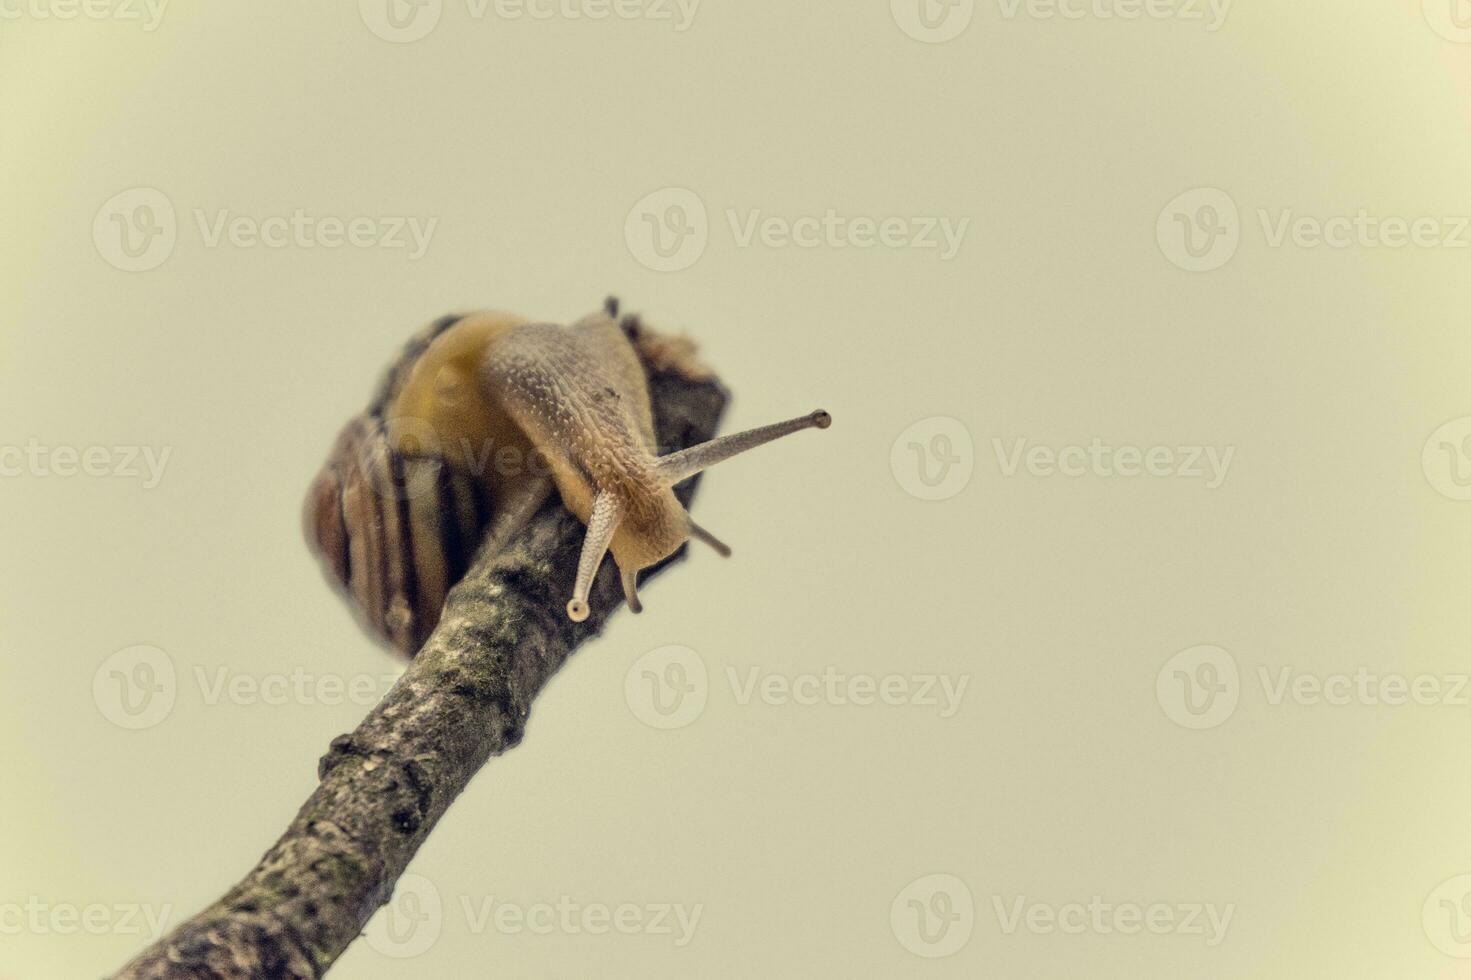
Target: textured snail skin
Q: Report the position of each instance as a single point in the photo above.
(479, 421)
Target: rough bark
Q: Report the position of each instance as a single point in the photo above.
(462, 700)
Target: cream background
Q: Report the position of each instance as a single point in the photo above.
(1060, 778)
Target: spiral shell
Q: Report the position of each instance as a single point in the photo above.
(394, 530)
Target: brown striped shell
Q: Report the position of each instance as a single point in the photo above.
(395, 531)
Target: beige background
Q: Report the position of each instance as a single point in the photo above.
(1327, 829)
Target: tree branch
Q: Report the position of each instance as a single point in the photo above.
(463, 699)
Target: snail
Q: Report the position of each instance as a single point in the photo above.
(477, 423)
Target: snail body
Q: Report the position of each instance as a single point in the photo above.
(480, 420)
